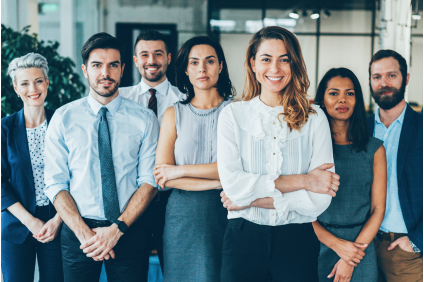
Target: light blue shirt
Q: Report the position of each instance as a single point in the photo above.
(72, 157)
(393, 218)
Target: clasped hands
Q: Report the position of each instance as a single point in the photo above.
(44, 232)
(100, 242)
(350, 253)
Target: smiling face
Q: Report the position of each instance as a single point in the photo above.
(104, 72)
(203, 67)
(152, 60)
(271, 66)
(31, 86)
(339, 98)
(386, 82)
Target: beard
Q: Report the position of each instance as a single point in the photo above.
(102, 91)
(153, 77)
(387, 102)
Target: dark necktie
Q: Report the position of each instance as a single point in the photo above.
(153, 102)
(107, 171)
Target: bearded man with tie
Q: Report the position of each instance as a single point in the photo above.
(100, 154)
(152, 58)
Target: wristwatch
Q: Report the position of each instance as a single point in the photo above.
(121, 225)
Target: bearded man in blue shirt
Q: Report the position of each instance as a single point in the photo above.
(100, 154)
(399, 243)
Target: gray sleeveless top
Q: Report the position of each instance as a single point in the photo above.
(196, 143)
(353, 201)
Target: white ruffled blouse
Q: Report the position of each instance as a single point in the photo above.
(254, 149)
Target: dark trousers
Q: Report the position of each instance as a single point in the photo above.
(77, 267)
(260, 253)
(18, 260)
(155, 216)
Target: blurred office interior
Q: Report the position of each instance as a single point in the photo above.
(332, 33)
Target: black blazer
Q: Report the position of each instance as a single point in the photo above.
(410, 172)
(17, 181)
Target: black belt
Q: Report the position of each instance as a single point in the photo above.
(340, 225)
(385, 236)
(94, 223)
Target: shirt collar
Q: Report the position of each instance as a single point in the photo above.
(400, 118)
(161, 89)
(112, 107)
(260, 106)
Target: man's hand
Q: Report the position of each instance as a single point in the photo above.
(49, 230)
(101, 244)
(342, 270)
(351, 252)
(322, 181)
(403, 243)
(166, 172)
(228, 204)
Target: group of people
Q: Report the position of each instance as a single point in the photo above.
(266, 187)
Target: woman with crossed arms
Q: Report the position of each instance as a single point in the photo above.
(274, 150)
(195, 220)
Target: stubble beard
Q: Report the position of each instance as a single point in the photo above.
(155, 77)
(107, 92)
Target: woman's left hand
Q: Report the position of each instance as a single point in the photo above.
(342, 270)
(228, 204)
(166, 172)
(49, 230)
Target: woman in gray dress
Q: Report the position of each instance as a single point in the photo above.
(195, 220)
(347, 228)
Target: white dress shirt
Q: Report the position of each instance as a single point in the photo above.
(254, 149)
(72, 152)
(166, 95)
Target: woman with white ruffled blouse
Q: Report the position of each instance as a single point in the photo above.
(275, 162)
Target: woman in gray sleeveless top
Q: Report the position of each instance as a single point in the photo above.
(195, 219)
(347, 228)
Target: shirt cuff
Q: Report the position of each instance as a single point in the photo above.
(153, 183)
(282, 204)
(52, 191)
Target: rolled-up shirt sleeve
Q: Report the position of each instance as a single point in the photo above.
(241, 187)
(147, 154)
(56, 170)
(305, 202)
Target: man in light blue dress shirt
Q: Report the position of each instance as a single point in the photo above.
(399, 242)
(76, 181)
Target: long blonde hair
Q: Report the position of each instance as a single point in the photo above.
(294, 98)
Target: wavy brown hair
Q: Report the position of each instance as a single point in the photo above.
(294, 98)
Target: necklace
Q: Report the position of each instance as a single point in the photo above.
(208, 113)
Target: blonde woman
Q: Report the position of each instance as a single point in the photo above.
(275, 162)
(29, 223)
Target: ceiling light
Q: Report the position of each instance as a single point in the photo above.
(416, 17)
(294, 15)
(315, 15)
